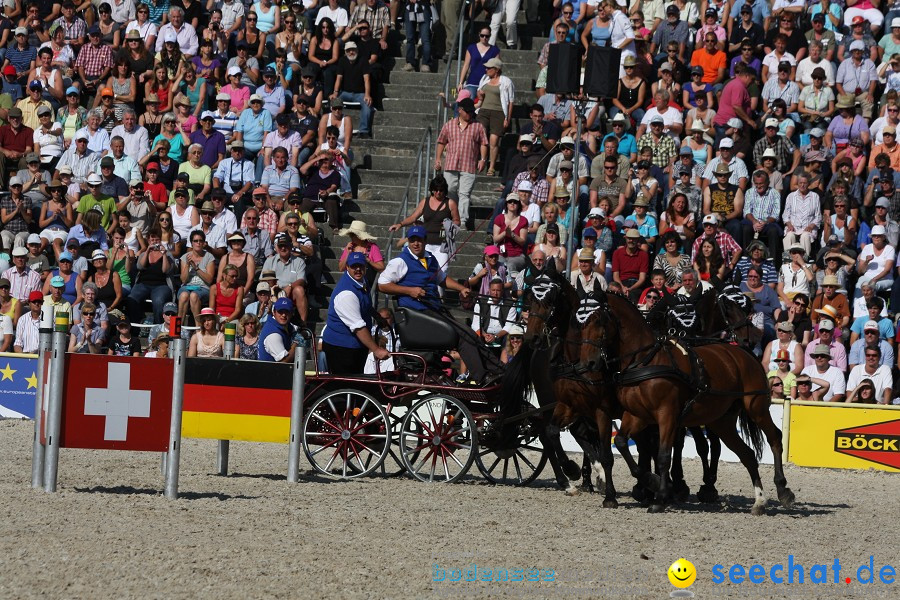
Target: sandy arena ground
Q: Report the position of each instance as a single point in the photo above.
(109, 532)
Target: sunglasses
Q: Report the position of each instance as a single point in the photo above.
(779, 384)
(88, 314)
(871, 356)
(482, 35)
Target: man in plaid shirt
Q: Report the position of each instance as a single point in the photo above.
(94, 62)
(462, 139)
(762, 206)
(731, 251)
(663, 146)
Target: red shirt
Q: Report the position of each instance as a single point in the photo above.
(630, 267)
(17, 142)
(158, 192)
(512, 248)
(733, 94)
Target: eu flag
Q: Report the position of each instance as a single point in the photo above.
(18, 385)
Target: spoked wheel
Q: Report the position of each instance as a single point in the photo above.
(519, 464)
(393, 464)
(346, 434)
(438, 440)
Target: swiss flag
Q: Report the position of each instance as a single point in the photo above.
(117, 403)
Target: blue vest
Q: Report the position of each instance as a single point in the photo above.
(418, 276)
(336, 331)
(272, 326)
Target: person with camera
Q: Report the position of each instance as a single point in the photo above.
(235, 175)
(290, 273)
(214, 234)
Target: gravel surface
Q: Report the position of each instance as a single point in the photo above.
(109, 532)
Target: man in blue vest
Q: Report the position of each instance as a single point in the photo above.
(414, 277)
(279, 338)
(347, 338)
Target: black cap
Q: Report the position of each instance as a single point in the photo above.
(746, 8)
(283, 119)
(820, 17)
(183, 177)
(268, 71)
(711, 12)
(672, 10)
(181, 192)
(467, 105)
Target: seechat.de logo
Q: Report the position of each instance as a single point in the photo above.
(878, 442)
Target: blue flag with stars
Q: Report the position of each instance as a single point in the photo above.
(18, 386)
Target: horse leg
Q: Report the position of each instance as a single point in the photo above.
(604, 428)
(647, 442)
(584, 434)
(645, 478)
(703, 447)
(708, 491)
(668, 430)
(759, 412)
(568, 469)
(680, 489)
(726, 428)
(553, 458)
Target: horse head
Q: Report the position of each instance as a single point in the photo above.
(593, 333)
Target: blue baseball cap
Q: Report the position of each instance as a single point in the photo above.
(57, 281)
(65, 256)
(589, 232)
(73, 90)
(356, 258)
(283, 304)
(416, 231)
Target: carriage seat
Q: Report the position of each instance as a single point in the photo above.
(423, 331)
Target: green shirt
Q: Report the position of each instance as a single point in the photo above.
(88, 201)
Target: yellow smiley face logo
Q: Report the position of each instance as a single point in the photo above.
(682, 573)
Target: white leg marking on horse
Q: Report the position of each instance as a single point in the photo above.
(598, 469)
(573, 490)
(760, 497)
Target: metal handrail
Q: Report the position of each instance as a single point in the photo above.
(456, 48)
(422, 168)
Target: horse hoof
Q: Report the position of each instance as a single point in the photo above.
(651, 482)
(610, 503)
(681, 492)
(572, 470)
(707, 494)
(656, 508)
(573, 491)
(786, 497)
(757, 510)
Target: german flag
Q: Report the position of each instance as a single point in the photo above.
(237, 400)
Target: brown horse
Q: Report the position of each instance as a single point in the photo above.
(661, 381)
(551, 349)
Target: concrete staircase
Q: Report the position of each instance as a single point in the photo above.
(383, 164)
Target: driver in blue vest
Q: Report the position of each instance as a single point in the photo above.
(414, 277)
(347, 338)
(279, 337)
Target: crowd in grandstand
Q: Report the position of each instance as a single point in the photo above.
(167, 159)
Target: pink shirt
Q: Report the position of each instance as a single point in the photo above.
(733, 94)
(239, 97)
(374, 253)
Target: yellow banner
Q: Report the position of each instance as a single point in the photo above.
(843, 436)
(245, 428)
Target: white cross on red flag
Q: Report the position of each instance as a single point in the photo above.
(116, 403)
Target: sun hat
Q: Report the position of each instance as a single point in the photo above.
(846, 100)
(878, 230)
(586, 254)
(828, 311)
(871, 325)
(796, 248)
(207, 312)
(491, 250)
(830, 280)
(822, 350)
(632, 234)
(358, 228)
(33, 238)
(783, 354)
(515, 330)
(98, 254)
(237, 236)
(785, 326)
(494, 63)
(641, 200)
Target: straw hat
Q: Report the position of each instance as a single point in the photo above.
(828, 311)
(358, 228)
(845, 101)
(586, 254)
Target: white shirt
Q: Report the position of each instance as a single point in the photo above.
(338, 16)
(186, 37)
(833, 375)
(275, 346)
(397, 269)
(671, 117)
(27, 335)
(99, 142)
(860, 310)
(226, 221)
(881, 378)
(771, 61)
(122, 12)
(6, 326)
(877, 263)
(805, 68)
(215, 237)
(494, 325)
(137, 144)
(346, 305)
(147, 30)
(875, 129)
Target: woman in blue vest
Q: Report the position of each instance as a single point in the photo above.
(347, 338)
(414, 277)
(277, 340)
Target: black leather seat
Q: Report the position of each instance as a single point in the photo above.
(420, 330)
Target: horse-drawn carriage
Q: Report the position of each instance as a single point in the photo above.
(415, 418)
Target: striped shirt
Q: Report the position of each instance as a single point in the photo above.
(762, 207)
(801, 211)
(224, 123)
(28, 334)
(22, 284)
(462, 145)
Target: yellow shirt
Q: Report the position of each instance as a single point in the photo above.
(29, 111)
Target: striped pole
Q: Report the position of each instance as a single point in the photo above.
(225, 445)
(56, 382)
(37, 450)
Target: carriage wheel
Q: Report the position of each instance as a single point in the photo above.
(518, 465)
(438, 440)
(346, 434)
(392, 466)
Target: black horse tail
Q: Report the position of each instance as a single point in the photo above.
(752, 432)
(516, 381)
